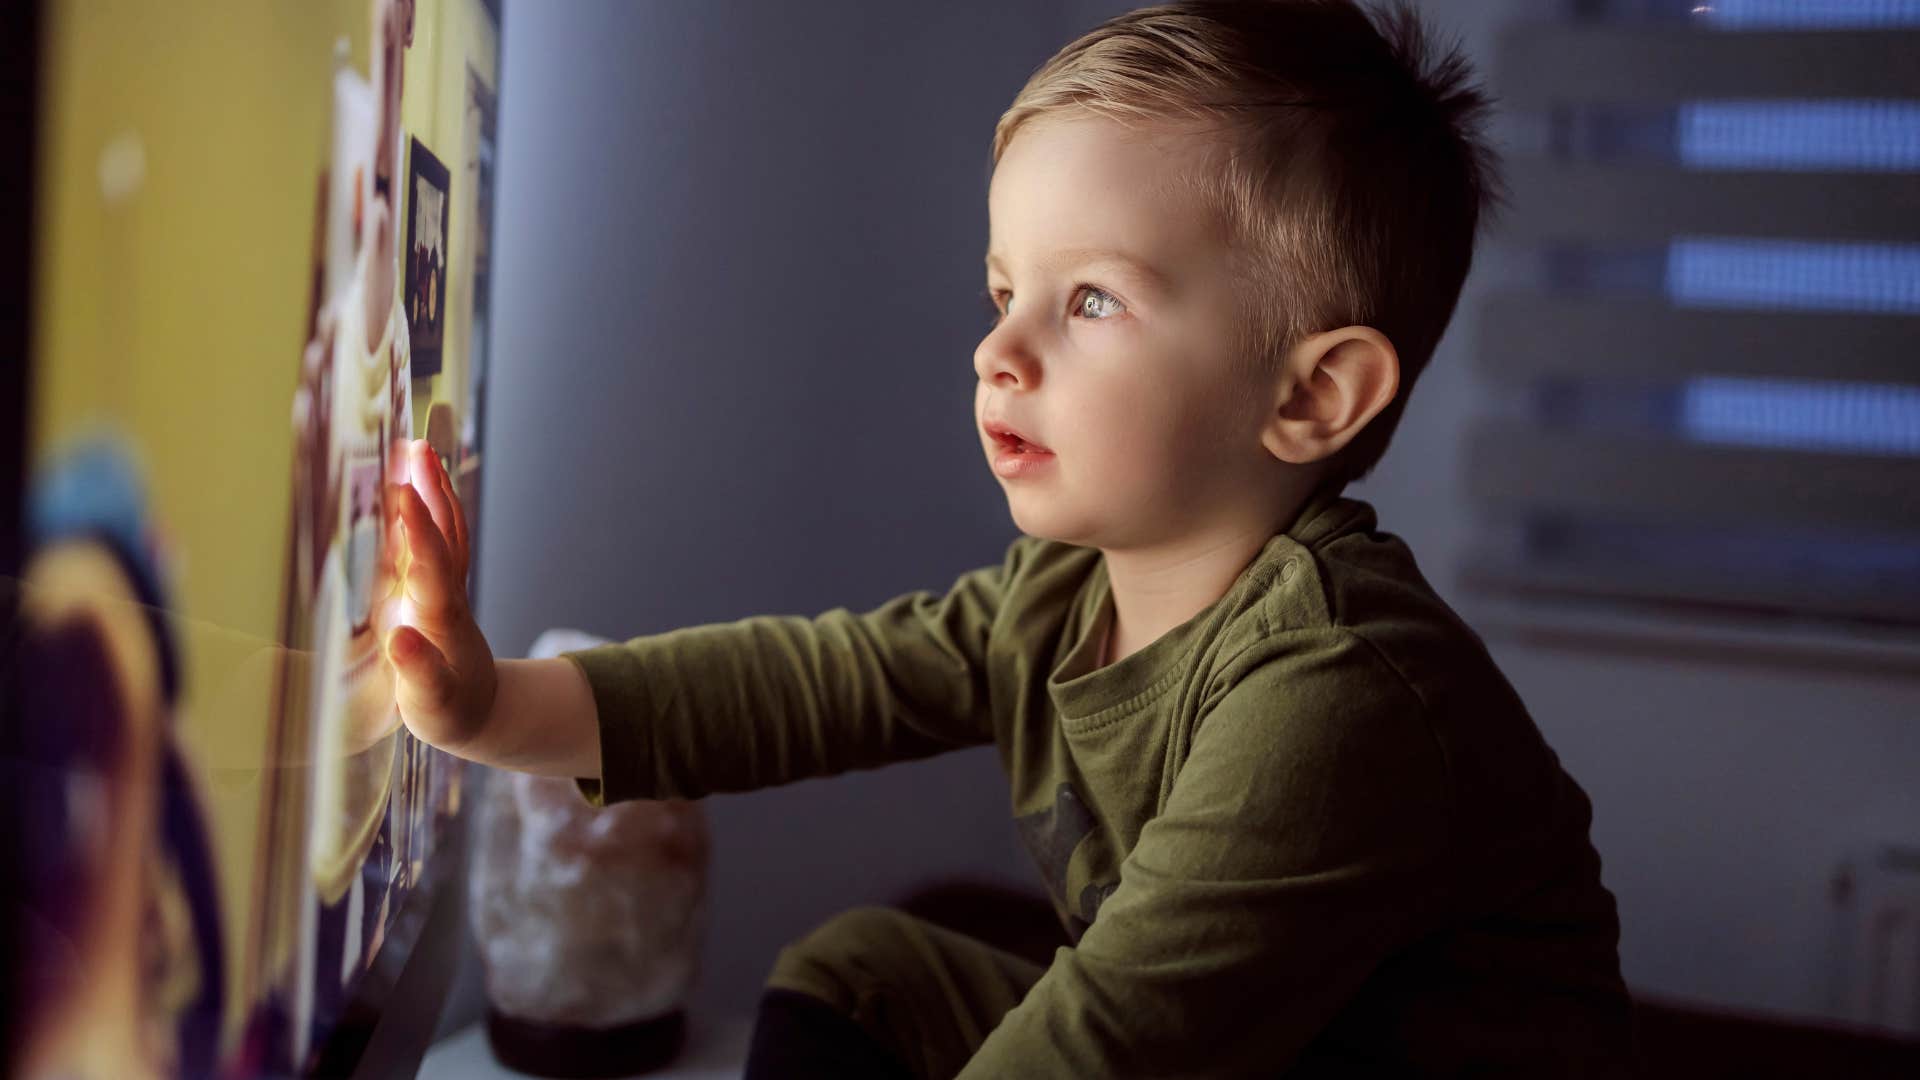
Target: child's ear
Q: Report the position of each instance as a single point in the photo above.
(1331, 385)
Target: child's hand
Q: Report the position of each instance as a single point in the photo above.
(444, 678)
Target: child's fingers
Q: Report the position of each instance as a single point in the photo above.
(421, 467)
(427, 578)
(461, 543)
(427, 683)
(425, 541)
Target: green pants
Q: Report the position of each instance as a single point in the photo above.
(927, 993)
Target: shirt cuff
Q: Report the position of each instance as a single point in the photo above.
(624, 715)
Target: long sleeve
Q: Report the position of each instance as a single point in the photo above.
(771, 699)
(1304, 840)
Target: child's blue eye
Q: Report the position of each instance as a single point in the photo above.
(989, 298)
(1093, 292)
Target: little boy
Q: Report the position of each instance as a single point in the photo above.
(1291, 815)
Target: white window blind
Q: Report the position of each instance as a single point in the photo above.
(1702, 364)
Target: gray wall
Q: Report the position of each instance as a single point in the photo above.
(738, 259)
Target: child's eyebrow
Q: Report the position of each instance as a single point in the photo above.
(1071, 258)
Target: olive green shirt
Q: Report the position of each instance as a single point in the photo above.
(1311, 824)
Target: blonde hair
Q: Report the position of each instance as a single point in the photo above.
(1352, 175)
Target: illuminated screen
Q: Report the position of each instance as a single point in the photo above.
(258, 264)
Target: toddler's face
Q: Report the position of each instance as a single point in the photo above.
(1123, 373)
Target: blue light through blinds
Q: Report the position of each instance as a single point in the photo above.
(1794, 274)
(1805, 14)
(1802, 415)
(1858, 136)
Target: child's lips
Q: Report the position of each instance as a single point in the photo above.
(1013, 456)
(1006, 438)
(1013, 459)
(1017, 445)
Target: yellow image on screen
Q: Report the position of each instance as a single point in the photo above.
(260, 237)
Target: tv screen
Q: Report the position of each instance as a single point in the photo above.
(248, 258)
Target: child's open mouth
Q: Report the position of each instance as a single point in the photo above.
(1014, 456)
(1008, 439)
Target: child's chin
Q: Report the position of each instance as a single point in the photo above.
(1039, 524)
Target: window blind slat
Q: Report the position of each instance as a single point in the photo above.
(1514, 467)
(1528, 336)
(1651, 204)
(1547, 62)
(1489, 568)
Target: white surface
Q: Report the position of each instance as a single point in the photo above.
(716, 1050)
(559, 639)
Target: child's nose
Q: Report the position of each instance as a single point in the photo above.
(1005, 363)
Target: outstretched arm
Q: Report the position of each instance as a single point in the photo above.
(772, 699)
